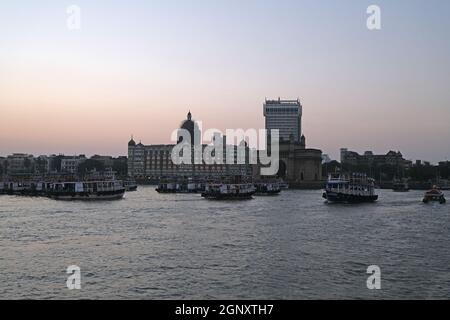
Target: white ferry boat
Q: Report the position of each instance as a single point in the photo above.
(350, 188)
(229, 191)
(87, 190)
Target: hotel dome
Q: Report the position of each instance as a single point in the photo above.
(192, 127)
(131, 143)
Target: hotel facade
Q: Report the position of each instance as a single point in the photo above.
(154, 162)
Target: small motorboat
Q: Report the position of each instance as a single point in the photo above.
(434, 195)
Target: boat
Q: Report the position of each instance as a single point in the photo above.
(35, 189)
(267, 188)
(183, 186)
(166, 188)
(130, 185)
(173, 187)
(229, 191)
(87, 190)
(434, 195)
(400, 186)
(350, 188)
(16, 188)
(284, 185)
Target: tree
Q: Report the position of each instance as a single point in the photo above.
(330, 167)
(444, 170)
(120, 167)
(90, 165)
(423, 173)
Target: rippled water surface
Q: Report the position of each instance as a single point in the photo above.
(293, 246)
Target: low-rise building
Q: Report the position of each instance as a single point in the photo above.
(70, 164)
(20, 163)
(369, 159)
(42, 165)
(107, 161)
(2, 165)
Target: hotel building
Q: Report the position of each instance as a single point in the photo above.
(153, 162)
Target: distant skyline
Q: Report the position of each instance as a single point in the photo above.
(137, 67)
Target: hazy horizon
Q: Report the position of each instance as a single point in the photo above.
(137, 67)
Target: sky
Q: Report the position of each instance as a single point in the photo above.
(137, 67)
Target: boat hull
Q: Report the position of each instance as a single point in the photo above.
(221, 196)
(268, 193)
(26, 192)
(347, 198)
(176, 191)
(401, 190)
(439, 199)
(87, 196)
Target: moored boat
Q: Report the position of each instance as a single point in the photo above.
(181, 186)
(434, 195)
(22, 188)
(130, 185)
(87, 190)
(350, 188)
(267, 188)
(284, 185)
(229, 191)
(166, 188)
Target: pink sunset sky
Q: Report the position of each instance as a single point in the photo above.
(138, 67)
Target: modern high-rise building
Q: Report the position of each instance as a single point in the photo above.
(286, 116)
